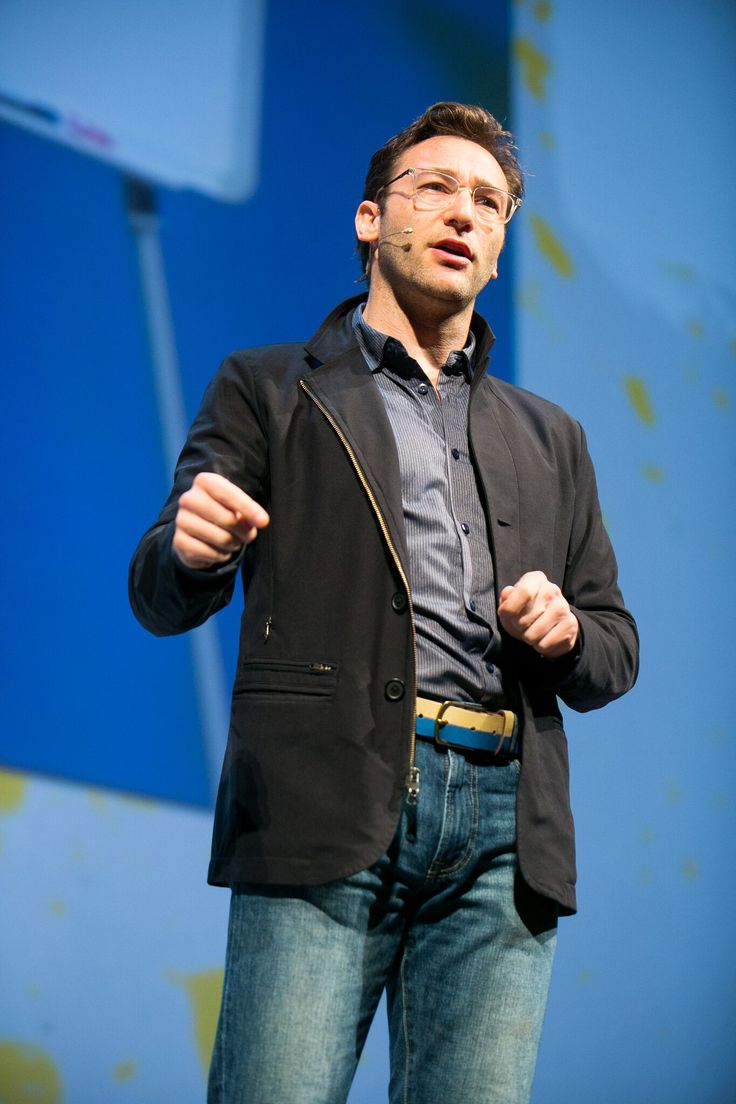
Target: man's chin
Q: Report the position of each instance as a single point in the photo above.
(450, 291)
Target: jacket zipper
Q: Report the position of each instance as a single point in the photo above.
(412, 781)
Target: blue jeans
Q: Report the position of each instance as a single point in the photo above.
(442, 922)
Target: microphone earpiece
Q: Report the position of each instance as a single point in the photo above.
(406, 248)
(406, 230)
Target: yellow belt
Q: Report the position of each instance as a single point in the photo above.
(467, 726)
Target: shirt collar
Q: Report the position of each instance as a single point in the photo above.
(381, 351)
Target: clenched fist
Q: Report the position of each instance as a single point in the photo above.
(534, 610)
(214, 520)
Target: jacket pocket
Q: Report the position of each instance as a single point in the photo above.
(286, 678)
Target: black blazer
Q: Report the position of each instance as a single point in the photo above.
(323, 701)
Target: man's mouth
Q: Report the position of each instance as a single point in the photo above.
(455, 249)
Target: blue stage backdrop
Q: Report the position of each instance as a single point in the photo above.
(615, 298)
(108, 704)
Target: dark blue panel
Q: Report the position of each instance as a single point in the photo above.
(88, 695)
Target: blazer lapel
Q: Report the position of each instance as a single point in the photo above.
(344, 386)
(490, 432)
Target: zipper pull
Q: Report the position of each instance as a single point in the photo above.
(267, 630)
(412, 786)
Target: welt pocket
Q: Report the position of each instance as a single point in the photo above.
(316, 679)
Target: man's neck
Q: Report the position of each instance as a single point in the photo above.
(428, 335)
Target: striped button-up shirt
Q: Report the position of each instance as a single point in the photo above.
(450, 566)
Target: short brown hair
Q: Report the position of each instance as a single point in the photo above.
(458, 121)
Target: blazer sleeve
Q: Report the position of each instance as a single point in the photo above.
(605, 662)
(227, 437)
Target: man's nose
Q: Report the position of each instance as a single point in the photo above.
(462, 206)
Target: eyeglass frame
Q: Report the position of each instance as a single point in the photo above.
(515, 200)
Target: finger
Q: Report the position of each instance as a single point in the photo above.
(523, 615)
(514, 601)
(559, 641)
(197, 554)
(555, 608)
(554, 633)
(197, 500)
(506, 597)
(222, 539)
(524, 591)
(233, 498)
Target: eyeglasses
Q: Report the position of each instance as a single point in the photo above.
(435, 190)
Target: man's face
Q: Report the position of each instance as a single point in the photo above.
(452, 254)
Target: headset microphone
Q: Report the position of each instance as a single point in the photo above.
(406, 230)
(406, 248)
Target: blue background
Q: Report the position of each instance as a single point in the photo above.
(616, 298)
(80, 380)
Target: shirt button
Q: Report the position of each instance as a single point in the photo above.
(471, 603)
(465, 528)
(422, 389)
(398, 602)
(394, 689)
(456, 454)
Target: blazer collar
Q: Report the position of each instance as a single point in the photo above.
(345, 387)
(341, 381)
(336, 331)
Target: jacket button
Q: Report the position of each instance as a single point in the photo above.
(398, 602)
(394, 690)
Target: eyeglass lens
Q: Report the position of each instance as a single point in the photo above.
(435, 190)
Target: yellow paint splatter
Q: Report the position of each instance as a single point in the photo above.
(27, 1075)
(692, 375)
(12, 791)
(690, 870)
(675, 796)
(722, 803)
(98, 801)
(647, 835)
(584, 977)
(527, 296)
(550, 246)
(57, 907)
(732, 345)
(646, 875)
(139, 803)
(542, 11)
(638, 395)
(679, 271)
(721, 399)
(547, 138)
(695, 327)
(124, 1071)
(652, 473)
(205, 993)
(535, 66)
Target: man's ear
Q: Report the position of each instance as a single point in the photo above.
(368, 221)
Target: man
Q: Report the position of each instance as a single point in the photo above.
(410, 532)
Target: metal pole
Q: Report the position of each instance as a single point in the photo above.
(209, 674)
